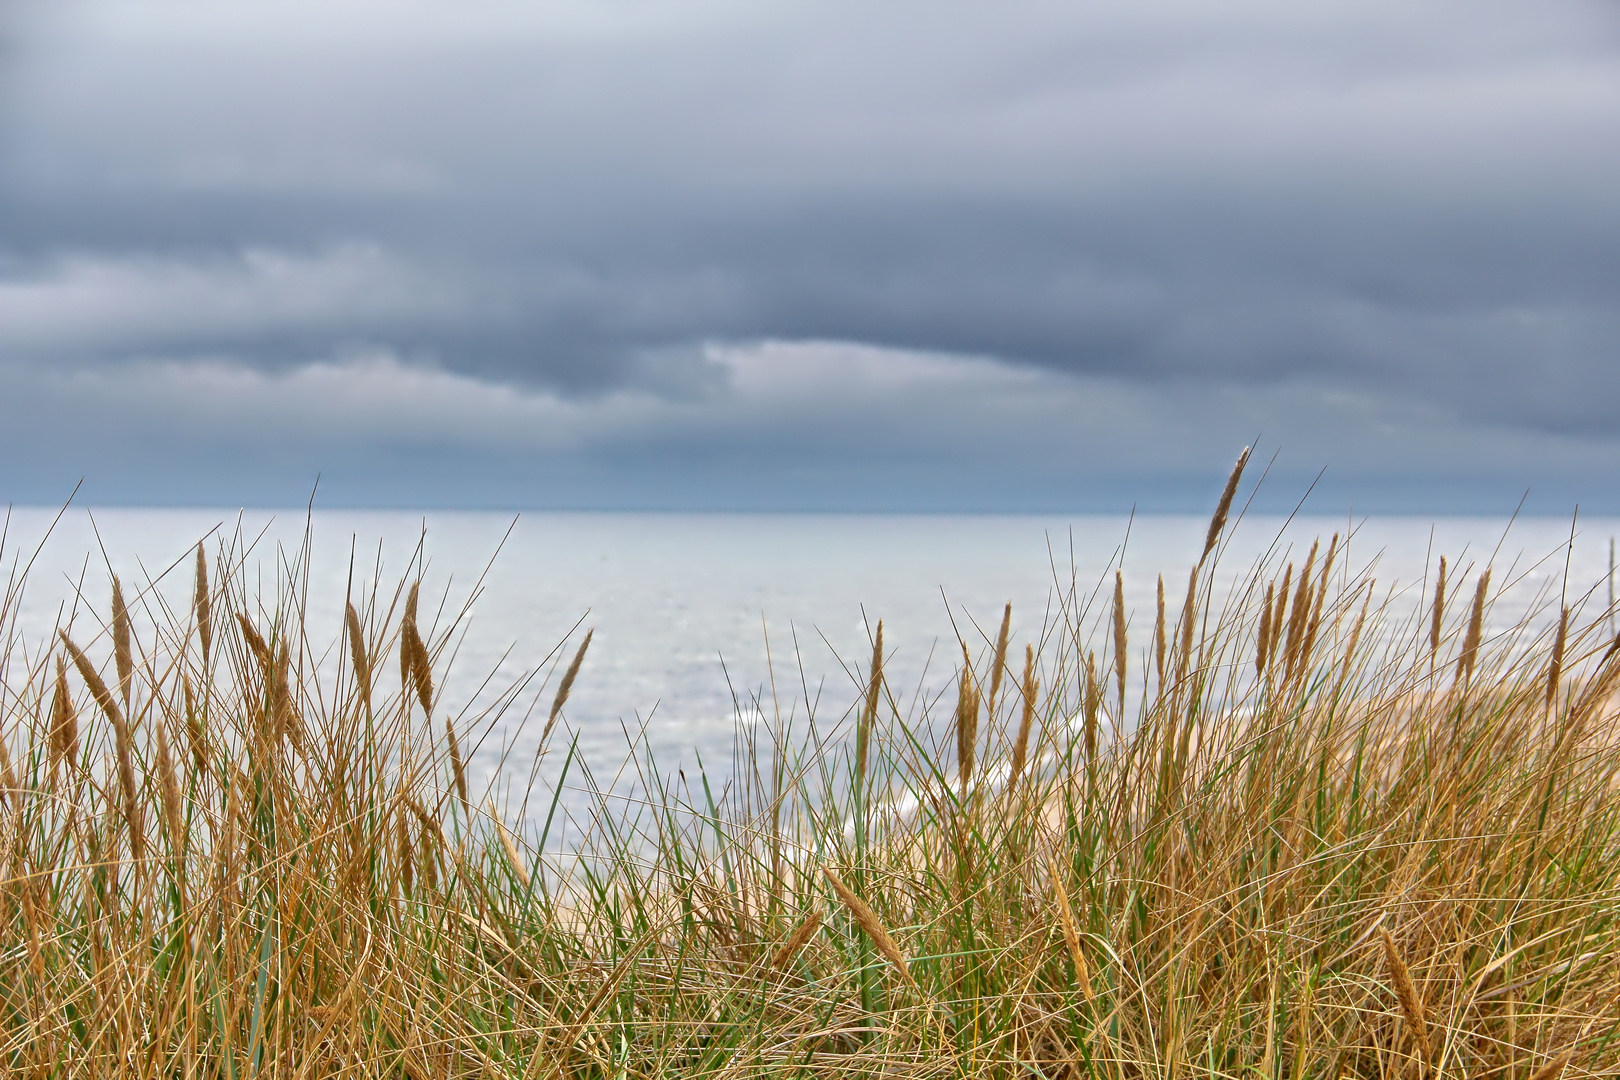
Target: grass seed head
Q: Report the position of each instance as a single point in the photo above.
(967, 724)
(1119, 636)
(1093, 696)
(1555, 666)
(799, 939)
(1437, 613)
(870, 925)
(421, 666)
(1028, 689)
(1476, 626)
(458, 769)
(358, 657)
(202, 605)
(196, 726)
(510, 848)
(1158, 635)
(404, 853)
(1224, 507)
(1071, 931)
(868, 717)
(169, 791)
(1313, 625)
(256, 645)
(1000, 663)
(1189, 613)
(1554, 1068)
(64, 740)
(407, 631)
(1280, 613)
(566, 687)
(1264, 641)
(1406, 993)
(123, 655)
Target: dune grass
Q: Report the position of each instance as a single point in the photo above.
(1332, 838)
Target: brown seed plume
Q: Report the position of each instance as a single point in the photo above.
(132, 803)
(202, 606)
(1327, 563)
(430, 860)
(261, 651)
(1438, 614)
(407, 657)
(169, 790)
(1476, 625)
(1093, 702)
(1313, 625)
(1189, 611)
(122, 653)
(196, 733)
(868, 921)
(1554, 1068)
(1406, 992)
(432, 843)
(92, 679)
(1224, 507)
(1158, 637)
(967, 724)
(1279, 613)
(509, 847)
(430, 827)
(121, 746)
(874, 690)
(566, 687)
(1261, 646)
(64, 740)
(1000, 662)
(1026, 718)
(1119, 636)
(404, 853)
(1302, 589)
(357, 653)
(288, 722)
(800, 938)
(1298, 616)
(458, 769)
(1071, 932)
(1555, 669)
(421, 668)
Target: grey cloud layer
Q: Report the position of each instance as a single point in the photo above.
(779, 425)
(1412, 205)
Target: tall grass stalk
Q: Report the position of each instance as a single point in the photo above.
(1302, 855)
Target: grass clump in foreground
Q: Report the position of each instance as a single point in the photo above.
(1330, 841)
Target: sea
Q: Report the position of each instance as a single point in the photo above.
(705, 624)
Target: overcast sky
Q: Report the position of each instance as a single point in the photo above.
(861, 255)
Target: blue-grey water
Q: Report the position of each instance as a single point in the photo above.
(681, 604)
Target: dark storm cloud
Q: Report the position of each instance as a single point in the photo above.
(1416, 206)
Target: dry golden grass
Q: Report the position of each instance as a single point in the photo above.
(1331, 839)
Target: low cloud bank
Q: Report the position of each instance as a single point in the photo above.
(816, 254)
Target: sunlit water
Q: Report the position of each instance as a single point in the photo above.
(682, 604)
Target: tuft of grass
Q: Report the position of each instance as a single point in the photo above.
(1330, 838)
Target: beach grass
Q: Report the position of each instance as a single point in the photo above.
(1306, 826)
